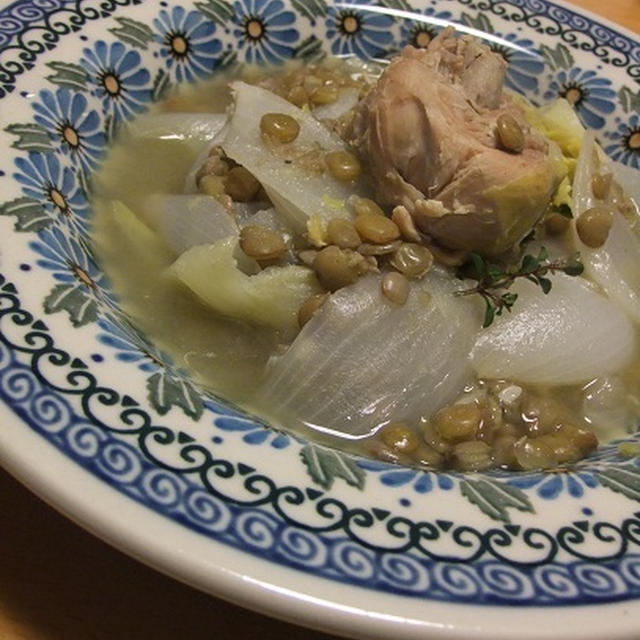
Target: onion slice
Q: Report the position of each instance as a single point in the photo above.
(185, 221)
(568, 336)
(296, 190)
(615, 266)
(362, 361)
(195, 129)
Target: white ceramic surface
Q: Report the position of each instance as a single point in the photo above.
(205, 493)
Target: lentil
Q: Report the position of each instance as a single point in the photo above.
(368, 249)
(279, 127)
(601, 185)
(376, 229)
(343, 234)
(395, 287)
(325, 94)
(343, 166)
(241, 185)
(458, 422)
(427, 456)
(414, 260)
(261, 243)
(297, 95)
(365, 206)
(534, 453)
(510, 133)
(593, 226)
(400, 437)
(472, 455)
(337, 268)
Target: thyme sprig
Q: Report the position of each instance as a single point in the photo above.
(494, 280)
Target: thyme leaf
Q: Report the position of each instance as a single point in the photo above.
(494, 280)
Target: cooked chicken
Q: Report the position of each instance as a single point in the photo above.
(429, 135)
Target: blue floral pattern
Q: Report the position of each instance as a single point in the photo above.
(123, 78)
(524, 64)
(56, 187)
(551, 485)
(129, 345)
(62, 254)
(589, 93)
(253, 433)
(119, 79)
(420, 481)
(264, 30)
(624, 142)
(67, 118)
(425, 27)
(353, 31)
(189, 46)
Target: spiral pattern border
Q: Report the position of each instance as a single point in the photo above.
(261, 522)
(257, 522)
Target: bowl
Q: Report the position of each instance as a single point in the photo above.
(98, 421)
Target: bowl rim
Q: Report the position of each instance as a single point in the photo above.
(224, 571)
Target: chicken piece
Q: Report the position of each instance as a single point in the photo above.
(427, 133)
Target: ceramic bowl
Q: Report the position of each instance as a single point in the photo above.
(97, 420)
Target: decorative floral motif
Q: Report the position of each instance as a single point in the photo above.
(419, 481)
(624, 143)
(167, 385)
(264, 30)
(590, 94)
(120, 79)
(71, 124)
(55, 187)
(354, 31)
(524, 65)
(166, 469)
(80, 281)
(129, 345)
(254, 433)
(551, 485)
(189, 47)
(419, 32)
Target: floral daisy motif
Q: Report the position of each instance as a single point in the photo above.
(420, 32)
(264, 30)
(167, 386)
(590, 95)
(56, 187)
(130, 346)
(253, 433)
(420, 481)
(624, 143)
(524, 64)
(188, 44)
(68, 121)
(550, 485)
(79, 281)
(121, 82)
(352, 30)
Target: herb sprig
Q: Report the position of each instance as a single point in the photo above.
(494, 281)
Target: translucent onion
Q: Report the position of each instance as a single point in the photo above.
(614, 265)
(568, 336)
(296, 191)
(362, 361)
(195, 129)
(610, 407)
(185, 221)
